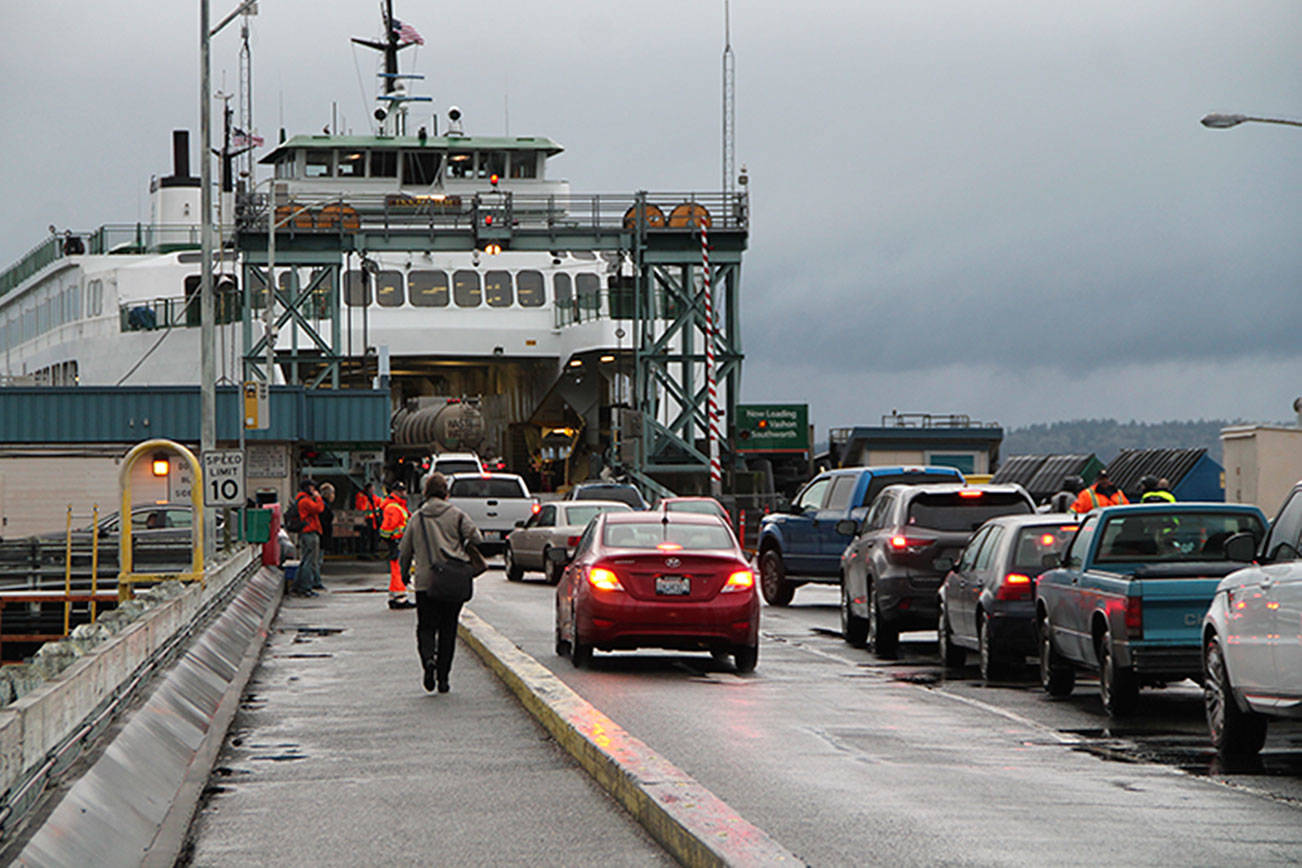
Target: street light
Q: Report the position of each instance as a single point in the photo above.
(1216, 121)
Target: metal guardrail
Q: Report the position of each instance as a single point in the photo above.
(491, 213)
(178, 311)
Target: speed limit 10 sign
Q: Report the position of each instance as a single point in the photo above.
(223, 478)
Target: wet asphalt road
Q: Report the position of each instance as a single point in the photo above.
(846, 759)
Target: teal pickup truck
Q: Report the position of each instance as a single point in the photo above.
(1128, 595)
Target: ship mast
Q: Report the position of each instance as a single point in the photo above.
(392, 116)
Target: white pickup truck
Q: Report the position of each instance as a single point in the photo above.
(494, 502)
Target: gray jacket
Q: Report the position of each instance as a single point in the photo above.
(439, 529)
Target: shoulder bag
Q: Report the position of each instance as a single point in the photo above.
(453, 577)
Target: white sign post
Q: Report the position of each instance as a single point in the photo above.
(223, 478)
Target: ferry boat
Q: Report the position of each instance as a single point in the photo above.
(503, 330)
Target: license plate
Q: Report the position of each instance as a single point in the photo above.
(673, 585)
(492, 534)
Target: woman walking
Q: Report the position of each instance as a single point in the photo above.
(442, 544)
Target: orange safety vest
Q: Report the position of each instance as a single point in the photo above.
(368, 505)
(1091, 499)
(395, 518)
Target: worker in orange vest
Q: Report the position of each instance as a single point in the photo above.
(394, 522)
(369, 505)
(1102, 493)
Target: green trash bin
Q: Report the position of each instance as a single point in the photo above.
(257, 525)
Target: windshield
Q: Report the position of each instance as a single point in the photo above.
(623, 493)
(667, 537)
(1172, 537)
(449, 466)
(1034, 542)
(581, 515)
(481, 487)
(700, 507)
(957, 511)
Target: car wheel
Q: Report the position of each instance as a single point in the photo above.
(883, 637)
(1118, 686)
(853, 628)
(1057, 674)
(513, 571)
(950, 654)
(580, 653)
(745, 658)
(993, 667)
(562, 644)
(1235, 733)
(552, 570)
(774, 586)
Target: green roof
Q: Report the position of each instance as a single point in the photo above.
(458, 143)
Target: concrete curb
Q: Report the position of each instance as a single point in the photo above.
(694, 825)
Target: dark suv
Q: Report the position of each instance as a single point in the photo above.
(893, 567)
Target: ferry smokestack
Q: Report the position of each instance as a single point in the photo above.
(181, 153)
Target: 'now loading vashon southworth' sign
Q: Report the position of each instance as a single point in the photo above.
(772, 428)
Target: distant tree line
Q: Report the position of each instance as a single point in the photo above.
(1107, 437)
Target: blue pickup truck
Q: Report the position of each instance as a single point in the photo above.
(1128, 595)
(802, 545)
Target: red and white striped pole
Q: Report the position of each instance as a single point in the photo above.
(712, 398)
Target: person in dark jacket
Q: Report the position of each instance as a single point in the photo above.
(327, 532)
(437, 532)
(1155, 490)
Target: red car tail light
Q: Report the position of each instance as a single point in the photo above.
(1015, 586)
(1134, 618)
(741, 580)
(970, 492)
(900, 542)
(603, 579)
(572, 541)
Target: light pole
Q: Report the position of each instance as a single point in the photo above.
(207, 325)
(1216, 121)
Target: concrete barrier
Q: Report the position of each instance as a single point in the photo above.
(694, 825)
(41, 721)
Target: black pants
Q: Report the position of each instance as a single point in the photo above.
(436, 632)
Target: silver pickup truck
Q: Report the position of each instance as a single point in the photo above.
(494, 502)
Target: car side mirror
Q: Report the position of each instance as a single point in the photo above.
(558, 556)
(847, 527)
(1241, 547)
(519, 524)
(942, 565)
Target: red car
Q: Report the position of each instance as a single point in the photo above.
(657, 580)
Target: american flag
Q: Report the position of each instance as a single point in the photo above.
(241, 139)
(406, 33)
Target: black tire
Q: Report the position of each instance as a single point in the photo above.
(744, 658)
(721, 655)
(1235, 733)
(580, 653)
(993, 666)
(1118, 687)
(883, 636)
(853, 628)
(1057, 674)
(774, 586)
(513, 571)
(562, 645)
(552, 571)
(953, 656)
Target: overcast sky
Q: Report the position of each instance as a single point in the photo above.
(1005, 209)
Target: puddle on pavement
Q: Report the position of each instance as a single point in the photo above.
(286, 753)
(302, 656)
(1191, 754)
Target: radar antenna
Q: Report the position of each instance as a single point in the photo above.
(393, 97)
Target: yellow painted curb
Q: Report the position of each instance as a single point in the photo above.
(694, 825)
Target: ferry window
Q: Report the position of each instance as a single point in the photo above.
(428, 288)
(585, 255)
(492, 163)
(74, 293)
(356, 291)
(285, 166)
(257, 285)
(322, 293)
(389, 288)
(563, 293)
(589, 287)
(524, 164)
(352, 165)
(497, 286)
(529, 288)
(460, 164)
(320, 164)
(419, 167)
(384, 164)
(466, 291)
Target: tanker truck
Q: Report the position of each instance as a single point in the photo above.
(435, 433)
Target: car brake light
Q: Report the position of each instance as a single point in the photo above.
(970, 492)
(603, 579)
(1015, 586)
(741, 580)
(572, 541)
(537, 507)
(900, 542)
(1134, 618)
(1069, 528)
(669, 547)
(1048, 539)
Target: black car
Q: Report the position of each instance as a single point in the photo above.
(892, 569)
(987, 601)
(619, 491)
